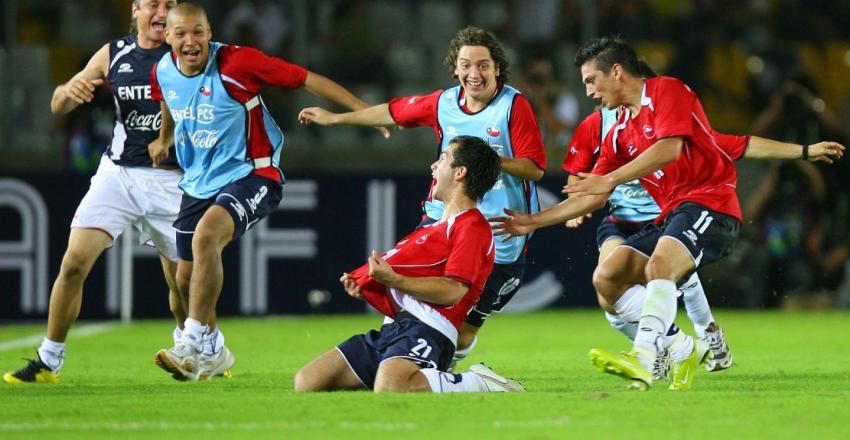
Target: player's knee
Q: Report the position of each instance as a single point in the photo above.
(74, 266)
(305, 382)
(604, 281)
(658, 268)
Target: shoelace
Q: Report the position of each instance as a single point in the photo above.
(30, 370)
(715, 341)
(661, 365)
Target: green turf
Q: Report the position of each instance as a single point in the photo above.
(791, 379)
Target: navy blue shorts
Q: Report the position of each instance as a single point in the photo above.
(707, 235)
(612, 228)
(248, 200)
(502, 284)
(407, 337)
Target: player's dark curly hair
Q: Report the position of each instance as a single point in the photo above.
(607, 51)
(482, 163)
(473, 36)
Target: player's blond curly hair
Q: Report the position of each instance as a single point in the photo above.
(473, 36)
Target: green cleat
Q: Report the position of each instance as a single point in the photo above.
(626, 366)
(684, 372)
(34, 372)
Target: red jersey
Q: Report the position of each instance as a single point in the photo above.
(583, 148)
(704, 172)
(461, 248)
(526, 138)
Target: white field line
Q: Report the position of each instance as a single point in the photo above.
(82, 331)
(262, 426)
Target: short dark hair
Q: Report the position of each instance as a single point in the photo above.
(646, 70)
(482, 163)
(607, 51)
(473, 36)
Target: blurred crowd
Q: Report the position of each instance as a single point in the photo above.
(776, 68)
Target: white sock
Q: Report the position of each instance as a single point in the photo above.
(176, 334)
(442, 382)
(626, 328)
(659, 311)
(193, 333)
(213, 342)
(681, 346)
(697, 304)
(52, 354)
(628, 311)
(462, 354)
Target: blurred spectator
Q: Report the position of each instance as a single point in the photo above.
(263, 24)
(556, 106)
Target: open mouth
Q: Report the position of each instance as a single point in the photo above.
(475, 85)
(191, 54)
(158, 26)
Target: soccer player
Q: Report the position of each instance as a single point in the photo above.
(229, 148)
(125, 190)
(427, 284)
(630, 209)
(482, 105)
(664, 138)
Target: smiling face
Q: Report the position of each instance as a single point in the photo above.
(189, 35)
(477, 72)
(149, 16)
(601, 86)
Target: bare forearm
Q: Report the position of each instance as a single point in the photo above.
(437, 290)
(322, 86)
(377, 115)
(656, 157)
(763, 148)
(522, 167)
(61, 104)
(568, 209)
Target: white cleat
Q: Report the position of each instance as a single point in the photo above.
(661, 366)
(494, 381)
(216, 365)
(182, 361)
(721, 357)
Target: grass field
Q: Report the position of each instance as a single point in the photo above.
(791, 379)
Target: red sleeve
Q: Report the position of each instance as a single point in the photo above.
(156, 91)
(583, 147)
(415, 111)
(672, 101)
(251, 70)
(470, 246)
(607, 161)
(735, 146)
(526, 137)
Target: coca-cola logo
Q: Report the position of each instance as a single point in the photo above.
(204, 138)
(143, 122)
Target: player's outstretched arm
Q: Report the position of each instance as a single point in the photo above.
(377, 115)
(656, 157)
(437, 290)
(80, 88)
(763, 148)
(328, 89)
(516, 223)
(578, 221)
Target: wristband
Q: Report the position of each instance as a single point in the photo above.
(805, 152)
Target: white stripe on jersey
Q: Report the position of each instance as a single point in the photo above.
(119, 135)
(233, 81)
(121, 53)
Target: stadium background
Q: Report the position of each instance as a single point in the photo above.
(775, 68)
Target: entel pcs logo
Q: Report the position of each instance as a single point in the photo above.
(203, 114)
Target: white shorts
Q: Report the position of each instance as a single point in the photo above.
(147, 198)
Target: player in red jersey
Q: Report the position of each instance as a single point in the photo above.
(663, 137)
(426, 284)
(482, 104)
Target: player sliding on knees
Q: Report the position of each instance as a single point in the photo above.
(427, 284)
